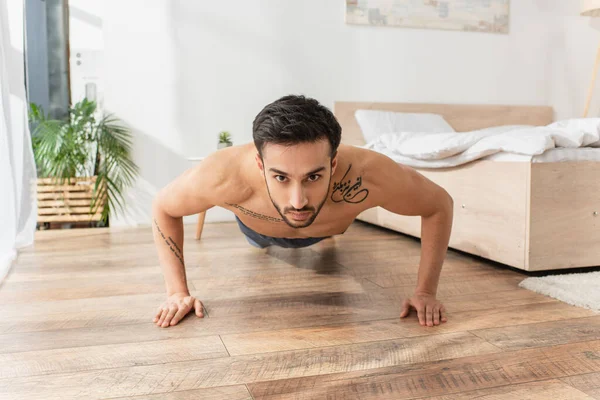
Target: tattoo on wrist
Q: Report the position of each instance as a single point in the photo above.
(344, 190)
(170, 242)
(254, 214)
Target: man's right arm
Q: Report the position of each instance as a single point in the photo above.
(194, 191)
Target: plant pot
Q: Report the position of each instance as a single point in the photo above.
(222, 145)
(68, 202)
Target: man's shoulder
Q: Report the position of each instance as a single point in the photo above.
(227, 170)
(377, 173)
(358, 176)
(368, 163)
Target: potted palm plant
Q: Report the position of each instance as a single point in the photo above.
(224, 140)
(84, 164)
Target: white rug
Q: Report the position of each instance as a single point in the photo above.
(582, 290)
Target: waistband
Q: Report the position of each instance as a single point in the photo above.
(264, 241)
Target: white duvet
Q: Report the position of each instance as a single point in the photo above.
(440, 150)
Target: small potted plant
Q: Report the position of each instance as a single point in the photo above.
(224, 140)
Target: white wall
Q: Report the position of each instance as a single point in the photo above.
(86, 41)
(179, 71)
(575, 41)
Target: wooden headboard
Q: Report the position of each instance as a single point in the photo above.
(461, 117)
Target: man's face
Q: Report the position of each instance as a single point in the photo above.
(297, 179)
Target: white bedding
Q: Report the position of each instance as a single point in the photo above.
(538, 144)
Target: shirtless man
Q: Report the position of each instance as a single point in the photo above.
(294, 186)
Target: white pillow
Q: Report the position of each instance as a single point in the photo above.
(374, 123)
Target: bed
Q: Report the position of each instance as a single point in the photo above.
(534, 216)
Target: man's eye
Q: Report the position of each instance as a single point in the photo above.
(314, 178)
(280, 176)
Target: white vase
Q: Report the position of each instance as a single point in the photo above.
(223, 145)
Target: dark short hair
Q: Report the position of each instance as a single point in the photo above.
(295, 119)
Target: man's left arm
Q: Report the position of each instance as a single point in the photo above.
(402, 190)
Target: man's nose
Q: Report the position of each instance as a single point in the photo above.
(299, 199)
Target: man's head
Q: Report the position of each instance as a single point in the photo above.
(297, 140)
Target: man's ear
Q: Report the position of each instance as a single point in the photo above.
(259, 162)
(334, 163)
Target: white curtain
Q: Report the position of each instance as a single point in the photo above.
(18, 207)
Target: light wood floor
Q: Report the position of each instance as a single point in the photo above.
(320, 322)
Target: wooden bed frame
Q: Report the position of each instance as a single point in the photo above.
(532, 216)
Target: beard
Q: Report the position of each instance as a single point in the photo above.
(299, 224)
(307, 208)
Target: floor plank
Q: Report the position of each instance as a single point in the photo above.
(312, 337)
(542, 390)
(91, 357)
(543, 334)
(237, 392)
(105, 331)
(446, 377)
(587, 383)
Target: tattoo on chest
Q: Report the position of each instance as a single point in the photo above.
(254, 214)
(345, 190)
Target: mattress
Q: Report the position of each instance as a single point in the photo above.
(560, 154)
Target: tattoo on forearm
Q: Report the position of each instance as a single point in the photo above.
(178, 253)
(254, 214)
(345, 191)
(175, 244)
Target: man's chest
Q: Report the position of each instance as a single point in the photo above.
(347, 195)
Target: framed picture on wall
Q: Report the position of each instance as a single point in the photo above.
(462, 15)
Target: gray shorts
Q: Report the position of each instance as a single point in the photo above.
(262, 241)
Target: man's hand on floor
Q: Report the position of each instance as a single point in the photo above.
(177, 306)
(429, 310)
